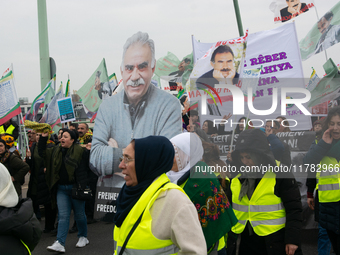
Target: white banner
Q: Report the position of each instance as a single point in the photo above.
(282, 68)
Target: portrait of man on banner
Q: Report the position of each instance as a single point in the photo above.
(293, 9)
(330, 34)
(324, 34)
(220, 65)
(138, 111)
(285, 10)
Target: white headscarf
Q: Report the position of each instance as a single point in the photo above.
(188, 151)
(8, 195)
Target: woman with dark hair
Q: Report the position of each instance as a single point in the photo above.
(208, 128)
(66, 165)
(153, 215)
(15, 165)
(284, 124)
(323, 159)
(240, 126)
(266, 203)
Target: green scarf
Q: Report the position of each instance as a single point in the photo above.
(214, 210)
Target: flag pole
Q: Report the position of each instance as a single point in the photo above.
(238, 18)
(22, 118)
(240, 30)
(317, 16)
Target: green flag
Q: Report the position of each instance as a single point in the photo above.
(92, 91)
(166, 65)
(324, 34)
(328, 87)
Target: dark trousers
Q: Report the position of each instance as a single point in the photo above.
(89, 204)
(50, 216)
(263, 245)
(335, 240)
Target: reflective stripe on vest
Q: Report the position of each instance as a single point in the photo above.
(317, 174)
(142, 240)
(329, 181)
(264, 211)
(28, 249)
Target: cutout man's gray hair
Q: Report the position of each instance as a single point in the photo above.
(141, 38)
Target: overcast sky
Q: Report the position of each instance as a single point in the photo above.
(83, 32)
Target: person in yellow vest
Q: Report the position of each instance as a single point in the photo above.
(266, 203)
(204, 190)
(153, 215)
(323, 164)
(324, 244)
(10, 128)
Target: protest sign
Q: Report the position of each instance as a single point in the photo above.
(66, 111)
(282, 70)
(105, 203)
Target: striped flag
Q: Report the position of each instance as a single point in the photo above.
(39, 101)
(9, 103)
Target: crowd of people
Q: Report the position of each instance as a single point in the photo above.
(169, 202)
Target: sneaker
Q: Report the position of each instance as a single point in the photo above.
(56, 246)
(83, 241)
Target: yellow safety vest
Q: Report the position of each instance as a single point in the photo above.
(264, 211)
(9, 131)
(142, 241)
(329, 181)
(317, 174)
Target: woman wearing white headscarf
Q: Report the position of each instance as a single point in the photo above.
(19, 228)
(204, 190)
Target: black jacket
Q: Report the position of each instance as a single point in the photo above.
(254, 140)
(17, 169)
(18, 223)
(37, 186)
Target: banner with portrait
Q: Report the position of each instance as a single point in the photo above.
(281, 69)
(285, 10)
(96, 89)
(171, 73)
(324, 34)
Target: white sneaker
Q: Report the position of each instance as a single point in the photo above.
(83, 241)
(56, 246)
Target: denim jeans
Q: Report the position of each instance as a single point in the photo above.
(65, 203)
(324, 244)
